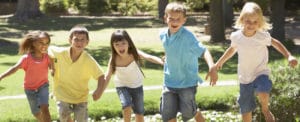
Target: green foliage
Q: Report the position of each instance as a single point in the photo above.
(285, 95)
(97, 6)
(53, 6)
(195, 5)
(132, 7)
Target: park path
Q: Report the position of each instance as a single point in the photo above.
(146, 88)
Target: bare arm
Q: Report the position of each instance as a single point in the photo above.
(51, 66)
(281, 48)
(212, 73)
(226, 56)
(151, 58)
(11, 70)
(103, 82)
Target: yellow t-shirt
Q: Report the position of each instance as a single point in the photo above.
(71, 78)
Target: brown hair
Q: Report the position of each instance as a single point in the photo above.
(79, 29)
(26, 45)
(120, 35)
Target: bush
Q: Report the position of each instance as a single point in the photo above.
(285, 95)
(97, 6)
(53, 6)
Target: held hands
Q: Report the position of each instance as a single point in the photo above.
(213, 74)
(96, 94)
(292, 61)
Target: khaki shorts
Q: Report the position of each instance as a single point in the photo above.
(65, 110)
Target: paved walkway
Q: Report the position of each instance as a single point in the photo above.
(146, 88)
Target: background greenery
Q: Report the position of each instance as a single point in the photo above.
(144, 31)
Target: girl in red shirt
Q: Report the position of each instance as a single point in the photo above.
(35, 62)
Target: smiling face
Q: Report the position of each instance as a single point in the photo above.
(121, 47)
(251, 24)
(41, 45)
(174, 20)
(79, 41)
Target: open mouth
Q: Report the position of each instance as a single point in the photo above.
(173, 26)
(122, 51)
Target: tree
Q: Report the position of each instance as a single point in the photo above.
(161, 8)
(277, 18)
(228, 12)
(216, 21)
(27, 9)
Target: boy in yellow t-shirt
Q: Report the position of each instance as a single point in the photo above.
(73, 69)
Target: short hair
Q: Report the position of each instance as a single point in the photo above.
(175, 7)
(80, 30)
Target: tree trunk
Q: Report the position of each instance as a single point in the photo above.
(216, 21)
(161, 8)
(228, 12)
(27, 9)
(277, 18)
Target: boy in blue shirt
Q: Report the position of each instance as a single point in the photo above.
(182, 50)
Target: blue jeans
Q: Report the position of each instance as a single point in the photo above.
(133, 97)
(65, 109)
(175, 100)
(38, 97)
(247, 92)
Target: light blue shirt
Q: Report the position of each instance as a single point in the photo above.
(182, 51)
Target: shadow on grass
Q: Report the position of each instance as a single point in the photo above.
(8, 48)
(2, 88)
(47, 23)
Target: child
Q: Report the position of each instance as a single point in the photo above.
(182, 50)
(35, 62)
(125, 63)
(74, 68)
(250, 42)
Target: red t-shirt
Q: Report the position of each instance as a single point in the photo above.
(36, 71)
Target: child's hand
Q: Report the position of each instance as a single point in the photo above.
(96, 95)
(292, 61)
(213, 74)
(219, 65)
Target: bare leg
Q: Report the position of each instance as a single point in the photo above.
(199, 117)
(247, 117)
(264, 102)
(45, 113)
(38, 116)
(139, 117)
(127, 114)
(172, 120)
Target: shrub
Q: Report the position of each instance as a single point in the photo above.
(285, 95)
(53, 6)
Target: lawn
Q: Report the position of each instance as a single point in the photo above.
(143, 31)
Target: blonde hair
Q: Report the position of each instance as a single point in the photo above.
(250, 9)
(175, 7)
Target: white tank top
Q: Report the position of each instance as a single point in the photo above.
(129, 76)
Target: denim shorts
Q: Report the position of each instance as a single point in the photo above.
(38, 97)
(175, 100)
(133, 97)
(247, 96)
(66, 109)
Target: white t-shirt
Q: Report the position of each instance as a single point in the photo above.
(252, 54)
(130, 76)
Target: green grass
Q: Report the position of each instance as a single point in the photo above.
(109, 105)
(144, 33)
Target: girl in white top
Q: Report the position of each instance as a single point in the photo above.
(250, 42)
(125, 64)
